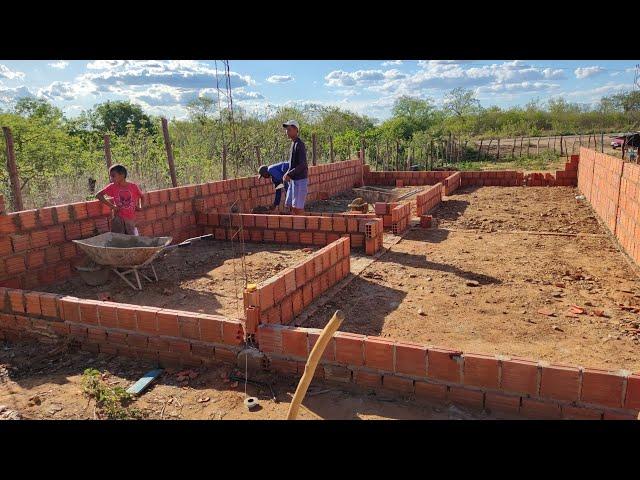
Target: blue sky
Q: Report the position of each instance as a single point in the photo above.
(366, 87)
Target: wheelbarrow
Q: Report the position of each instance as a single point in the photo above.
(127, 252)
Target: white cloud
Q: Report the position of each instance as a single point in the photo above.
(10, 95)
(67, 90)
(188, 74)
(586, 72)
(391, 63)
(6, 72)
(280, 79)
(61, 64)
(340, 78)
(518, 87)
(594, 94)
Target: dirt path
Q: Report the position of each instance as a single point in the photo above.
(206, 277)
(480, 291)
(51, 389)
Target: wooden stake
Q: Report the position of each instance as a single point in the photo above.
(224, 162)
(107, 151)
(314, 149)
(561, 138)
(331, 156)
(12, 167)
(513, 149)
(480, 149)
(497, 153)
(258, 155)
(521, 140)
(602, 143)
(312, 362)
(538, 147)
(167, 146)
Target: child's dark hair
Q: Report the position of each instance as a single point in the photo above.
(119, 169)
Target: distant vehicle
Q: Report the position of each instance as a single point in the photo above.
(617, 142)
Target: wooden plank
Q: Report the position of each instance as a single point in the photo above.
(144, 382)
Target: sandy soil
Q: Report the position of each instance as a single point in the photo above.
(199, 278)
(480, 290)
(37, 385)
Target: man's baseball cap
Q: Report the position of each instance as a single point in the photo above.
(262, 170)
(292, 123)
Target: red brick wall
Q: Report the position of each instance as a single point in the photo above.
(429, 199)
(36, 246)
(407, 178)
(282, 297)
(296, 229)
(612, 187)
(395, 216)
(503, 178)
(163, 335)
(517, 386)
(452, 183)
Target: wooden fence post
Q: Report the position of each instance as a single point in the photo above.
(513, 149)
(363, 146)
(561, 138)
(602, 143)
(172, 167)
(107, 151)
(520, 152)
(224, 162)
(528, 145)
(314, 149)
(331, 156)
(498, 152)
(258, 155)
(479, 149)
(13, 171)
(538, 147)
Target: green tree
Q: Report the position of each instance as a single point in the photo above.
(115, 116)
(201, 109)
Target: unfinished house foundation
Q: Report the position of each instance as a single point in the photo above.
(36, 251)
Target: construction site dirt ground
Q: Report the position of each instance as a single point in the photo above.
(498, 274)
(40, 381)
(206, 277)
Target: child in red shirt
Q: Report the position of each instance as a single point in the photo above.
(126, 200)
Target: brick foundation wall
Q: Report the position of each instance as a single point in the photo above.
(296, 229)
(407, 178)
(36, 246)
(429, 199)
(282, 297)
(612, 186)
(503, 178)
(162, 335)
(394, 215)
(518, 386)
(452, 183)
